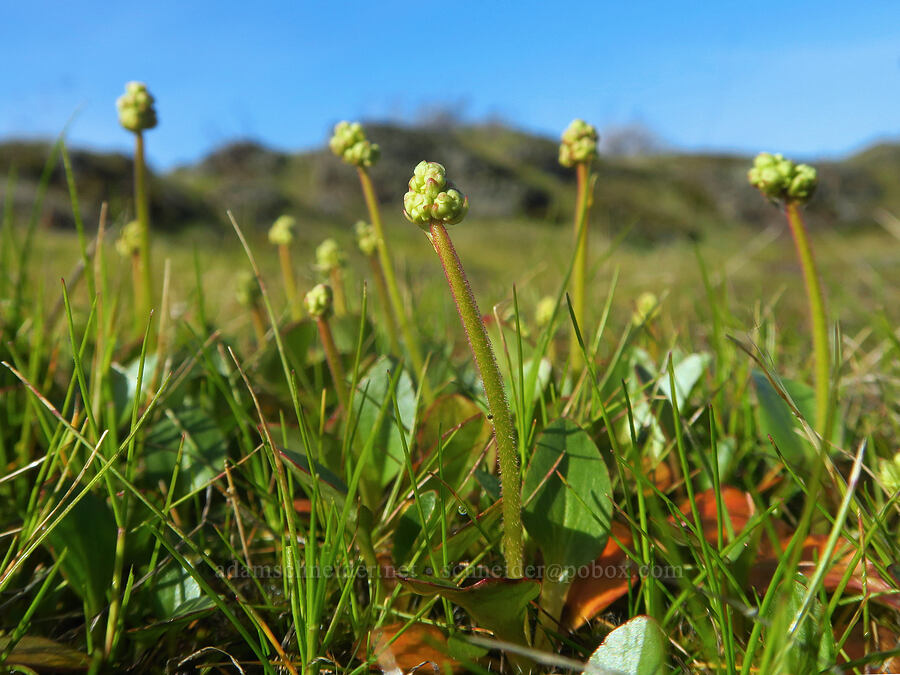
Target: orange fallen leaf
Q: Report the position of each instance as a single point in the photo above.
(594, 588)
(737, 507)
(419, 646)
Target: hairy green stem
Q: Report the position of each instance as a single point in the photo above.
(579, 272)
(334, 361)
(387, 268)
(336, 279)
(290, 284)
(816, 313)
(501, 416)
(142, 210)
(381, 287)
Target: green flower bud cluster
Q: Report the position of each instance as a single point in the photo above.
(136, 109)
(248, 291)
(318, 301)
(349, 143)
(646, 308)
(431, 200)
(329, 256)
(780, 179)
(579, 143)
(129, 242)
(366, 237)
(544, 310)
(282, 231)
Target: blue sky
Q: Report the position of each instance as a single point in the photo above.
(810, 79)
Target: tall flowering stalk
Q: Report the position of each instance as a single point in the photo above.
(137, 113)
(367, 240)
(248, 294)
(330, 261)
(129, 246)
(319, 303)
(432, 204)
(349, 142)
(792, 185)
(281, 234)
(578, 149)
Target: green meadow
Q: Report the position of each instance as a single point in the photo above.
(648, 449)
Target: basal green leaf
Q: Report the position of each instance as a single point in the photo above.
(568, 486)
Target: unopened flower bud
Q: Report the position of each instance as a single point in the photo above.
(646, 308)
(579, 143)
(248, 291)
(803, 183)
(428, 202)
(318, 301)
(544, 310)
(329, 256)
(350, 144)
(282, 231)
(129, 242)
(136, 108)
(366, 237)
(780, 179)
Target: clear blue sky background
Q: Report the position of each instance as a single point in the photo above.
(807, 78)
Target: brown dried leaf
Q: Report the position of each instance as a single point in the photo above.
(421, 647)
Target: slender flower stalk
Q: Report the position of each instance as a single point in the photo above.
(793, 185)
(248, 295)
(330, 261)
(281, 234)
(129, 246)
(432, 204)
(578, 149)
(319, 303)
(367, 240)
(349, 142)
(137, 113)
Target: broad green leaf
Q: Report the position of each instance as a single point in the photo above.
(777, 420)
(637, 647)
(496, 604)
(297, 340)
(330, 485)
(462, 429)
(687, 371)
(123, 382)
(176, 593)
(568, 486)
(89, 534)
(44, 655)
(205, 448)
(812, 645)
(461, 540)
(409, 525)
(373, 392)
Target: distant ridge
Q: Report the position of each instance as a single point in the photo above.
(507, 174)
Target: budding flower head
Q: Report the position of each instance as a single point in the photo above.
(579, 143)
(129, 242)
(543, 313)
(329, 256)
(136, 108)
(282, 231)
(646, 308)
(248, 291)
(780, 179)
(431, 200)
(318, 301)
(349, 142)
(366, 237)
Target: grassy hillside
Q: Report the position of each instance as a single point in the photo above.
(508, 175)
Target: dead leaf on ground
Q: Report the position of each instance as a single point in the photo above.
(420, 648)
(601, 583)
